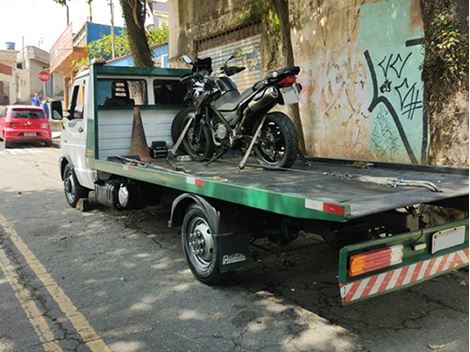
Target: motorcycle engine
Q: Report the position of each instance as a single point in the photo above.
(220, 132)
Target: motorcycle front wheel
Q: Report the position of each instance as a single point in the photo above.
(276, 146)
(197, 142)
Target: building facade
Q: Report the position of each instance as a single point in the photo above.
(8, 76)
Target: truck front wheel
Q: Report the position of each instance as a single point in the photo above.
(72, 189)
(200, 246)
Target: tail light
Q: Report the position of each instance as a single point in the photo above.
(374, 260)
(44, 125)
(10, 124)
(287, 81)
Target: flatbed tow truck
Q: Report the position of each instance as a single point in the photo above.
(373, 212)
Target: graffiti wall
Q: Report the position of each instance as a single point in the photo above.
(361, 71)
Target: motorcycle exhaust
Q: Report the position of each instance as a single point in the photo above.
(262, 99)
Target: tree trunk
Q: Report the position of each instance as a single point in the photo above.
(282, 11)
(134, 16)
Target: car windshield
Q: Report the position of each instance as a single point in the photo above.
(27, 114)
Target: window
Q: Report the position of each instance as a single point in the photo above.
(27, 114)
(77, 104)
(168, 91)
(117, 92)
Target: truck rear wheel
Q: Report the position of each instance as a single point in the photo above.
(72, 189)
(200, 246)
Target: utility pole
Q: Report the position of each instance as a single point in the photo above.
(112, 28)
(90, 11)
(68, 14)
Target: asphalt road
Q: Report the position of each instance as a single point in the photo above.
(105, 280)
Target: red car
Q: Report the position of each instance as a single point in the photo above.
(24, 123)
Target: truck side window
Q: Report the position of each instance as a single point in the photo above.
(168, 91)
(119, 92)
(77, 104)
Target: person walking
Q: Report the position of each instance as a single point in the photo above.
(45, 106)
(36, 101)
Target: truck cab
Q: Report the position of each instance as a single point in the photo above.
(112, 95)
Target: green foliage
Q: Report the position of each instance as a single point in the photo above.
(449, 46)
(446, 66)
(101, 48)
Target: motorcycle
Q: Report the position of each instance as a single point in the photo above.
(220, 118)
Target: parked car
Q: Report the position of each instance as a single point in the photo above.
(24, 123)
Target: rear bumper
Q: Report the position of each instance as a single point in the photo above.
(19, 135)
(417, 266)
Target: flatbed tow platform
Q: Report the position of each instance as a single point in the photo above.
(349, 189)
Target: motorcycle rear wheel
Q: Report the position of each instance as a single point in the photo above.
(277, 143)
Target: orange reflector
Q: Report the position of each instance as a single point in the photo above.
(375, 260)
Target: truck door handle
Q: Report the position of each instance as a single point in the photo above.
(80, 129)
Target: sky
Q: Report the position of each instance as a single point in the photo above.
(42, 21)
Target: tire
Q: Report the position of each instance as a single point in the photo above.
(177, 124)
(277, 143)
(8, 144)
(72, 189)
(202, 257)
(203, 147)
(48, 144)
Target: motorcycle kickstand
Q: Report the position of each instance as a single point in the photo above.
(217, 156)
(242, 164)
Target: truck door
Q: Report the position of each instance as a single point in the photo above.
(73, 140)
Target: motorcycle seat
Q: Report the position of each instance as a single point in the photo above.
(230, 100)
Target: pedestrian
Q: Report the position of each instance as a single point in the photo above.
(45, 106)
(36, 101)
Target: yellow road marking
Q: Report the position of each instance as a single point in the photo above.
(94, 342)
(36, 318)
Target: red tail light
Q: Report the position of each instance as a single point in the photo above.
(375, 260)
(10, 124)
(287, 81)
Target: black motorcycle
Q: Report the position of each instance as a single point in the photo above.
(219, 117)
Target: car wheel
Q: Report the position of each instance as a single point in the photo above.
(72, 189)
(200, 246)
(8, 144)
(48, 143)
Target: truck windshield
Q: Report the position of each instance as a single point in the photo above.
(121, 92)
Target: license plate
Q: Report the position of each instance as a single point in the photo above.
(290, 95)
(30, 134)
(447, 238)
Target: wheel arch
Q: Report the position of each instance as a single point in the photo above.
(184, 201)
(64, 161)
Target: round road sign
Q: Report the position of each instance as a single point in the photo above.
(43, 75)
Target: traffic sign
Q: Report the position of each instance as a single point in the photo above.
(43, 75)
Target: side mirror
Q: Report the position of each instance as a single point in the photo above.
(56, 110)
(187, 59)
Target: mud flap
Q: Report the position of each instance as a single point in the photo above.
(233, 250)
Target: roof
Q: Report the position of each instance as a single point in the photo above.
(140, 71)
(25, 107)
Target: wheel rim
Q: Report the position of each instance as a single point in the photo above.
(271, 143)
(199, 243)
(69, 186)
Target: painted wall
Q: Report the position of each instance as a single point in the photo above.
(360, 68)
(363, 93)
